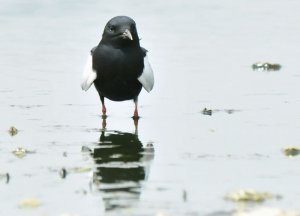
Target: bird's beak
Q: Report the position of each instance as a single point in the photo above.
(127, 34)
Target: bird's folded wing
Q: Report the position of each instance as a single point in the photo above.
(147, 77)
(89, 75)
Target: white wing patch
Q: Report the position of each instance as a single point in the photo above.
(89, 75)
(147, 77)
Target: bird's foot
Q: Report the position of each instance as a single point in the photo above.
(135, 117)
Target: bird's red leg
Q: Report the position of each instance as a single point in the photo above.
(103, 106)
(135, 114)
(103, 116)
(103, 113)
(103, 110)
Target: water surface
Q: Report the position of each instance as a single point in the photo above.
(178, 161)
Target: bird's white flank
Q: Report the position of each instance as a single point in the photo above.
(147, 77)
(89, 75)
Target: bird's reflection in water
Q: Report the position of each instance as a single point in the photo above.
(122, 165)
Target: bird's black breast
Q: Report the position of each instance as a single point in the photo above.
(117, 71)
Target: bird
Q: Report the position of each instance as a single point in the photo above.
(118, 66)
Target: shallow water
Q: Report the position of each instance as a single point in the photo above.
(178, 161)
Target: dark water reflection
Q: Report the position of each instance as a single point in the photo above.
(122, 165)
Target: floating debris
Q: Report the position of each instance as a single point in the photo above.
(21, 152)
(267, 212)
(249, 196)
(291, 151)
(63, 173)
(29, 203)
(265, 66)
(206, 111)
(13, 131)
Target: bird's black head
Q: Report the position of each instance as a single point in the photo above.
(120, 30)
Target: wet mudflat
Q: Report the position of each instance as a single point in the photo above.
(211, 126)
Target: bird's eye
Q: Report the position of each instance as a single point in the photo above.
(111, 28)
